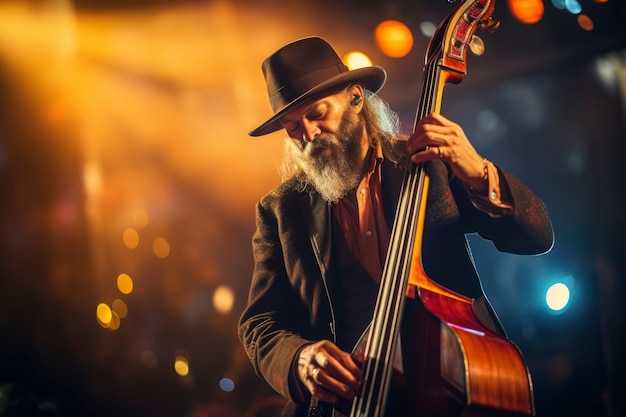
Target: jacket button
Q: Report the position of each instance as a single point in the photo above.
(315, 412)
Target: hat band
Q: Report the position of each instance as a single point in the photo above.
(299, 86)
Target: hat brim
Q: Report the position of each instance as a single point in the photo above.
(372, 78)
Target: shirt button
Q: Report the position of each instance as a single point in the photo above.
(368, 233)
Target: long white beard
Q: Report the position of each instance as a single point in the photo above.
(333, 177)
(334, 173)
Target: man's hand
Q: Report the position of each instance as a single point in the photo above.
(328, 372)
(436, 137)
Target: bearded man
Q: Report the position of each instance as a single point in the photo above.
(322, 235)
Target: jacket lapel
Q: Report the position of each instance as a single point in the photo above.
(316, 213)
(392, 175)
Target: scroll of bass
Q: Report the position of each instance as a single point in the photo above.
(425, 352)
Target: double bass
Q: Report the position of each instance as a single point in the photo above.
(428, 354)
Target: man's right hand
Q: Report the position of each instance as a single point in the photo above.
(328, 372)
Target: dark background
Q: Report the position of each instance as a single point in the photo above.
(109, 107)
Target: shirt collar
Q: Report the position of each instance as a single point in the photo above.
(377, 157)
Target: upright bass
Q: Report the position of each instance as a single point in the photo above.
(428, 354)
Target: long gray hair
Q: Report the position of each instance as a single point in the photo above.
(381, 123)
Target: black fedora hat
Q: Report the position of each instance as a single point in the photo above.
(305, 70)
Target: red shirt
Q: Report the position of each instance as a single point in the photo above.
(364, 225)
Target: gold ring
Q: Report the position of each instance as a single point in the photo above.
(314, 372)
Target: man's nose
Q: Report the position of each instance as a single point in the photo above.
(311, 131)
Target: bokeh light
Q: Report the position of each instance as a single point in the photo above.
(558, 296)
(585, 22)
(124, 283)
(394, 38)
(527, 11)
(427, 29)
(104, 314)
(227, 384)
(573, 6)
(119, 307)
(355, 60)
(130, 237)
(181, 365)
(106, 317)
(223, 299)
(161, 248)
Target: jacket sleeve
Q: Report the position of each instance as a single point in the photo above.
(270, 325)
(527, 229)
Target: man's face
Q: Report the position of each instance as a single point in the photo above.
(329, 144)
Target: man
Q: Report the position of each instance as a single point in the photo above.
(322, 235)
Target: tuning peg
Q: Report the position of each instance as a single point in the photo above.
(490, 25)
(477, 46)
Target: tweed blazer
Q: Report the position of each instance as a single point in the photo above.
(289, 302)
